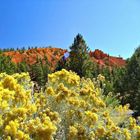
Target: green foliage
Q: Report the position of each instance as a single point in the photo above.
(129, 83)
(0, 51)
(61, 65)
(6, 65)
(114, 79)
(111, 100)
(118, 79)
(40, 70)
(80, 61)
(22, 67)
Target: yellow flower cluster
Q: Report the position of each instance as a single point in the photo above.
(83, 111)
(70, 108)
(91, 117)
(101, 78)
(22, 115)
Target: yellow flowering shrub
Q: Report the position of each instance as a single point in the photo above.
(20, 116)
(70, 108)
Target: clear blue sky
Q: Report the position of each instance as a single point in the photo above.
(110, 25)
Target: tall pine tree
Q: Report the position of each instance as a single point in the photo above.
(80, 61)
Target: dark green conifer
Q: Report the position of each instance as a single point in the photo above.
(80, 61)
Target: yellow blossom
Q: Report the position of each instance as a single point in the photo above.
(100, 131)
(127, 134)
(73, 131)
(92, 116)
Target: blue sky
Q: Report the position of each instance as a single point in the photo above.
(110, 25)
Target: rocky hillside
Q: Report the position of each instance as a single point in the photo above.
(55, 54)
(104, 59)
(31, 55)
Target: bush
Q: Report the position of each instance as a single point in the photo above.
(71, 108)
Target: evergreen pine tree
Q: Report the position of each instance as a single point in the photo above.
(6, 65)
(39, 71)
(131, 82)
(80, 61)
(23, 67)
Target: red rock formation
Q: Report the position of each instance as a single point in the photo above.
(105, 60)
(55, 54)
(98, 54)
(30, 56)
